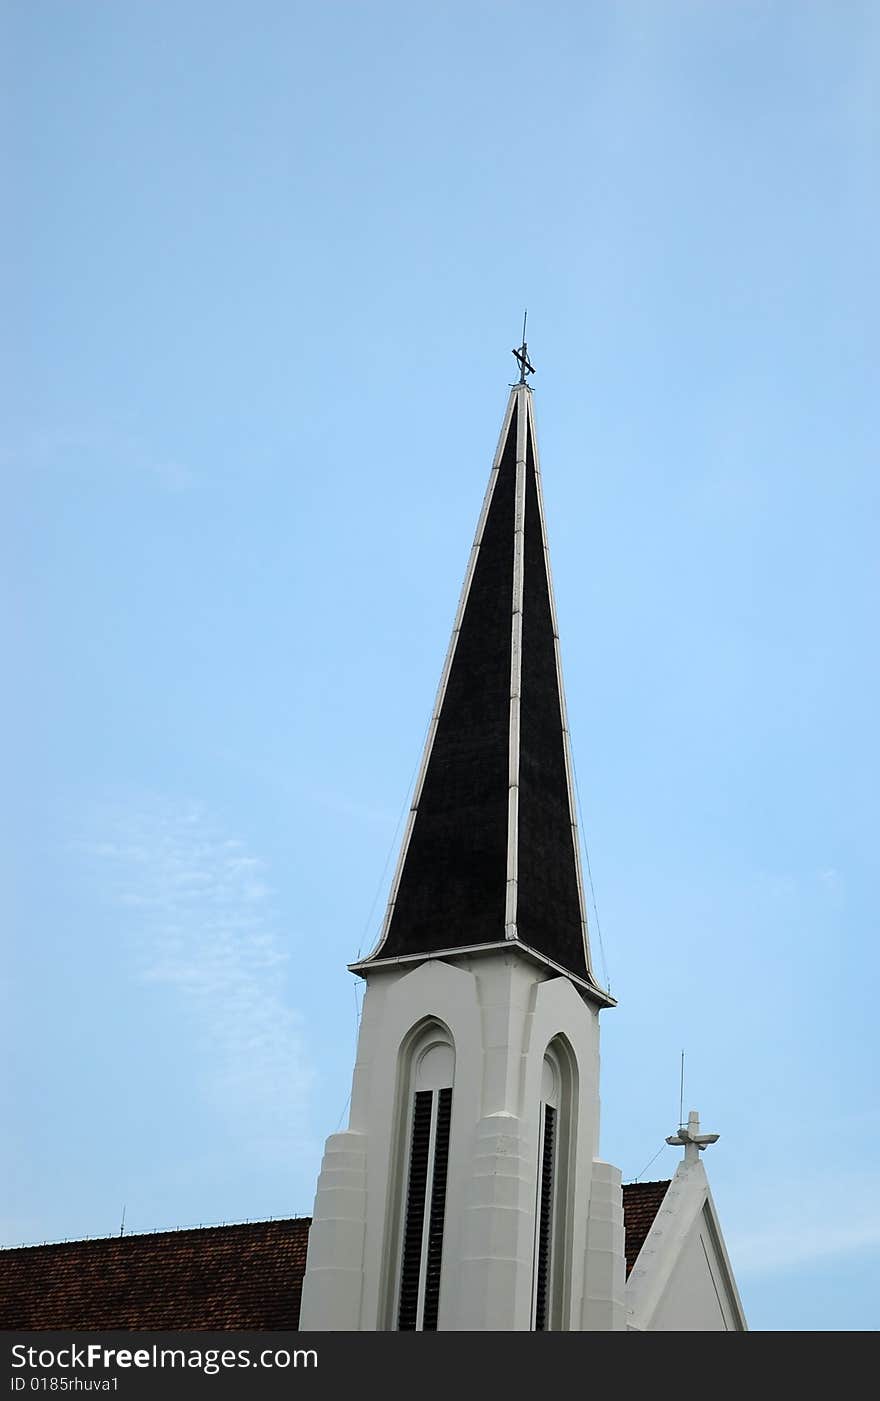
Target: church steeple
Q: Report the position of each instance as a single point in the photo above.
(490, 856)
(467, 1191)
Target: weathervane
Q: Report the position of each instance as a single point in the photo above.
(521, 355)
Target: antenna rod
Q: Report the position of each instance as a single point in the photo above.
(681, 1095)
(122, 1227)
(521, 355)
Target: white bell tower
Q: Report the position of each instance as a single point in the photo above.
(467, 1192)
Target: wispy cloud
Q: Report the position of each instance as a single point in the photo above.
(97, 452)
(808, 1220)
(198, 909)
(346, 806)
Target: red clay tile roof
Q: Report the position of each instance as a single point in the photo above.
(641, 1202)
(240, 1277)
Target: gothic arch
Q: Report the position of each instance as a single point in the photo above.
(418, 1177)
(555, 1185)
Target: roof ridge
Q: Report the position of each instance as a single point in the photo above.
(157, 1231)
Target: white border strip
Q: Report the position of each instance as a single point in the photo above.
(522, 396)
(426, 1219)
(444, 676)
(590, 987)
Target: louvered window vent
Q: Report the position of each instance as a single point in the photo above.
(545, 1219)
(422, 1254)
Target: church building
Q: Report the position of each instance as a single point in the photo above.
(467, 1192)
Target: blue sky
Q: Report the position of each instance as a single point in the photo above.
(265, 264)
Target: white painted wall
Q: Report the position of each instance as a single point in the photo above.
(501, 1010)
(682, 1280)
(696, 1299)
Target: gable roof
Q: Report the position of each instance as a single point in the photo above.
(641, 1202)
(208, 1277)
(238, 1277)
(682, 1276)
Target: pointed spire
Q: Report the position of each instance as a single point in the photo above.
(490, 857)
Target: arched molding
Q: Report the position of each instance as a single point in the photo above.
(404, 1010)
(562, 1023)
(425, 1075)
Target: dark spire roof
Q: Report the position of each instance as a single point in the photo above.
(490, 854)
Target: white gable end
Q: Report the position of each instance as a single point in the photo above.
(697, 1298)
(682, 1281)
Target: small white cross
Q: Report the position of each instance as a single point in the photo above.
(691, 1139)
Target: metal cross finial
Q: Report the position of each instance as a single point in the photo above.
(691, 1139)
(521, 355)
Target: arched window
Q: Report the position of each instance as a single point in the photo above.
(426, 1134)
(554, 1138)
